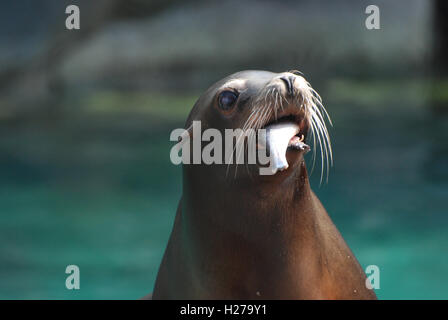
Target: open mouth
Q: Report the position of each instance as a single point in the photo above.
(290, 123)
(287, 132)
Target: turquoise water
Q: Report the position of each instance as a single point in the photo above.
(102, 194)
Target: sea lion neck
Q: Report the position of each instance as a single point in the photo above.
(276, 239)
(222, 185)
(270, 205)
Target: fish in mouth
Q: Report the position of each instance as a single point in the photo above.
(288, 109)
(282, 135)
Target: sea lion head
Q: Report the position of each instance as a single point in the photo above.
(283, 104)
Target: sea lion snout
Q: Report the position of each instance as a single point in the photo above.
(289, 83)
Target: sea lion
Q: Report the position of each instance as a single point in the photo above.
(252, 236)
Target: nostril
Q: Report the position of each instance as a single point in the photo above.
(289, 83)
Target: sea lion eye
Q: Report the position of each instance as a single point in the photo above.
(227, 100)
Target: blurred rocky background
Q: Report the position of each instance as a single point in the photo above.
(141, 47)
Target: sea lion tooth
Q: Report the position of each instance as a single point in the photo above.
(299, 144)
